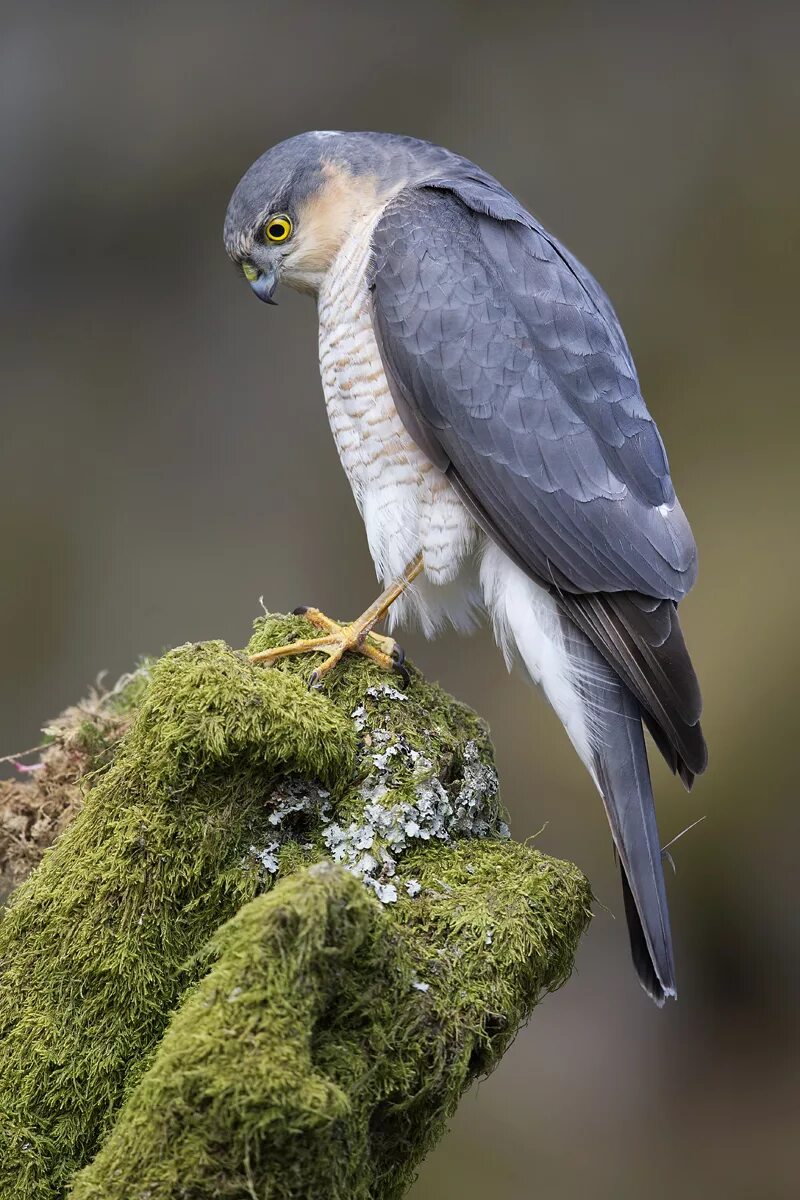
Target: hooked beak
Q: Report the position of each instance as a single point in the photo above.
(264, 286)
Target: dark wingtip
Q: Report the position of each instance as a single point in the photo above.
(641, 639)
(689, 770)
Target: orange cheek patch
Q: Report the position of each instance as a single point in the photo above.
(326, 219)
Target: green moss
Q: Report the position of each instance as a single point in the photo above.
(331, 1040)
(231, 776)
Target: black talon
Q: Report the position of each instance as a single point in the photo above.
(398, 664)
(300, 611)
(402, 671)
(313, 680)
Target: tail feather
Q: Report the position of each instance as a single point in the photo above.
(640, 952)
(603, 719)
(623, 777)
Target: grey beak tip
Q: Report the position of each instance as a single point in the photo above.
(264, 287)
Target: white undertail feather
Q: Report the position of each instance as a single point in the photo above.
(527, 624)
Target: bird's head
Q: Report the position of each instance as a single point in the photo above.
(294, 207)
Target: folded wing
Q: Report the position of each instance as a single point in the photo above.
(510, 370)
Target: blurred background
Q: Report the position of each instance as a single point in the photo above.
(165, 460)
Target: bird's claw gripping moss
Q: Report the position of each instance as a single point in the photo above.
(337, 640)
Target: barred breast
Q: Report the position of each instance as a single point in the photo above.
(407, 504)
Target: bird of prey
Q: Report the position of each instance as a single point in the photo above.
(488, 415)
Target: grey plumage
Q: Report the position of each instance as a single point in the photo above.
(510, 371)
(513, 373)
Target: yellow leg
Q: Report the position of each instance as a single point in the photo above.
(356, 638)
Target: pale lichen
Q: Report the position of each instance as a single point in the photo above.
(371, 850)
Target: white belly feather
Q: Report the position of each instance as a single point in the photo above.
(407, 504)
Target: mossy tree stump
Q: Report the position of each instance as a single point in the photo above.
(282, 935)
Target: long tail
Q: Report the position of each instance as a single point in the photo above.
(604, 722)
(623, 778)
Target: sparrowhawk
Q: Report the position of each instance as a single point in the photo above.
(488, 415)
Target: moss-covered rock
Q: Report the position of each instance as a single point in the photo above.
(318, 1033)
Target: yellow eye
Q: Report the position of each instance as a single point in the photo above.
(249, 271)
(278, 227)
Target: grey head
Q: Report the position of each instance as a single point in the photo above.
(293, 208)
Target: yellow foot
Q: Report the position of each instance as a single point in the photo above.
(338, 640)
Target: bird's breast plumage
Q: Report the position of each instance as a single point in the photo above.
(407, 504)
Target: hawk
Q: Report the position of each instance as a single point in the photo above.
(488, 415)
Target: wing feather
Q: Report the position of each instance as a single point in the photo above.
(511, 372)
